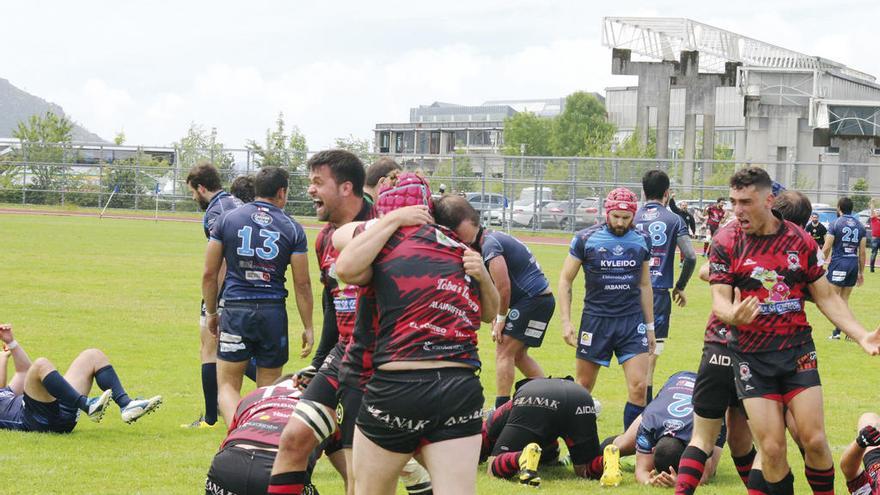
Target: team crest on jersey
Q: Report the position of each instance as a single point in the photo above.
(261, 218)
(514, 314)
(617, 251)
(745, 374)
(670, 426)
(794, 261)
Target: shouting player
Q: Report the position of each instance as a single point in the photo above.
(845, 244)
(666, 231)
(618, 314)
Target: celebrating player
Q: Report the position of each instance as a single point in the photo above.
(527, 303)
(203, 182)
(618, 314)
(773, 264)
(257, 241)
(863, 451)
(845, 243)
(666, 231)
(39, 399)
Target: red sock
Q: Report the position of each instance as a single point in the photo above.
(756, 484)
(595, 468)
(291, 483)
(690, 470)
(506, 465)
(744, 465)
(820, 480)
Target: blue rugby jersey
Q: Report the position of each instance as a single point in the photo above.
(526, 277)
(258, 240)
(11, 410)
(221, 203)
(663, 229)
(613, 269)
(848, 232)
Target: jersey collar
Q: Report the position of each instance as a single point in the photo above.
(217, 197)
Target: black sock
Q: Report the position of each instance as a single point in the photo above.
(289, 483)
(821, 480)
(59, 388)
(209, 388)
(756, 484)
(650, 395)
(251, 370)
(106, 378)
(690, 470)
(608, 441)
(630, 413)
(500, 400)
(744, 465)
(785, 486)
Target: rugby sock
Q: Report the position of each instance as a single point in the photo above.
(756, 484)
(785, 486)
(290, 483)
(608, 441)
(500, 400)
(59, 388)
(595, 468)
(106, 378)
(690, 470)
(251, 370)
(209, 388)
(820, 480)
(630, 413)
(650, 395)
(506, 465)
(744, 465)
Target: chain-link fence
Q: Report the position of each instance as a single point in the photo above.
(513, 191)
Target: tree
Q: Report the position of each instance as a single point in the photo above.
(582, 128)
(199, 145)
(119, 139)
(457, 174)
(860, 201)
(45, 141)
(529, 129)
(288, 151)
(363, 148)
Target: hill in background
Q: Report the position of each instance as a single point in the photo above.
(17, 105)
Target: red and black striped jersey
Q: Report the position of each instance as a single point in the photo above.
(429, 309)
(357, 362)
(717, 332)
(777, 269)
(343, 296)
(261, 415)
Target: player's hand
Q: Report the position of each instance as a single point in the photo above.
(869, 436)
(871, 342)
(664, 479)
(679, 298)
(860, 280)
(745, 311)
(304, 376)
(213, 323)
(498, 332)
(5, 353)
(6, 333)
(473, 265)
(308, 341)
(568, 334)
(409, 216)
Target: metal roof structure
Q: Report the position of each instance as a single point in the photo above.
(664, 38)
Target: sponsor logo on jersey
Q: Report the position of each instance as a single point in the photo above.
(255, 276)
(397, 422)
(617, 287)
(429, 346)
(617, 251)
(719, 359)
(642, 328)
(513, 315)
(428, 326)
(586, 339)
(460, 420)
(617, 263)
(749, 262)
(261, 218)
(585, 409)
(807, 362)
(671, 426)
(777, 301)
(542, 402)
(651, 214)
(718, 268)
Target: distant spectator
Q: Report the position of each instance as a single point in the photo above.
(682, 210)
(243, 188)
(875, 234)
(816, 229)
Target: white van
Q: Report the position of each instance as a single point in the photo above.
(532, 194)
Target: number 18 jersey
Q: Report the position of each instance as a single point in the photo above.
(258, 240)
(663, 229)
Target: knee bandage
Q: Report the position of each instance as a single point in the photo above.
(415, 478)
(316, 417)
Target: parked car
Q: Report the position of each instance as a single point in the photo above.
(589, 210)
(564, 214)
(490, 206)
(525, 212)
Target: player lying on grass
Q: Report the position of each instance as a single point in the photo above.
(863, 451)
(38, 398)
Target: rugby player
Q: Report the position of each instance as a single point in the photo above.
(526, 304)
(714, 217)
(618, 314)
(773, 355)
(816, 230)
(337, 190)
(203, 182)
(431, 292)
(377, 173)
(666, 231)
(242, 187)
(542, 410)
(257, 241)
(863, 451)
(874, 223)
(244, 461)
(845, 244)
(39, 399)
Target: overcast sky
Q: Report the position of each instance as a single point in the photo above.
(334, 69)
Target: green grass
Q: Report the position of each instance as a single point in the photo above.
(131, 288)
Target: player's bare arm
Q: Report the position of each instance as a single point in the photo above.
(862, 258)
(837, 311)
(20, 359)
(344, 234)
(826, 249)
(213, 263)
(570, 268)
(302, 290)
(728, 307)
(647, 297)
(473, 266)
(501, 279)
(354, 265)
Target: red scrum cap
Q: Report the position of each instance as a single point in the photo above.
(621, 199)
(410, 189)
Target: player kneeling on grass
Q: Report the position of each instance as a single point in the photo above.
(38, 398)
(542, 410)
(660, 434)
(863, 451)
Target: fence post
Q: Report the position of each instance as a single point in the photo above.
(507, 212)
(174, 178)
(454, 185)
(24, 177)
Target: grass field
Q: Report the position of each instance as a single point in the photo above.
(131, 288)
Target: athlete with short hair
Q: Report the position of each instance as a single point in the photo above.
(376, 174)
(257, 241)
(618, 313)
(204, 183)
(541, 411)
(844, 251)
(527, 303)
(242, 187)
(39, 399)
(863, 451)
(714, 217)
(666, 231)
(773, 264)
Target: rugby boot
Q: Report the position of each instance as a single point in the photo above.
(98, 405)
(139, 408)
(611, 475)
(199, 424)
(528, 465)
